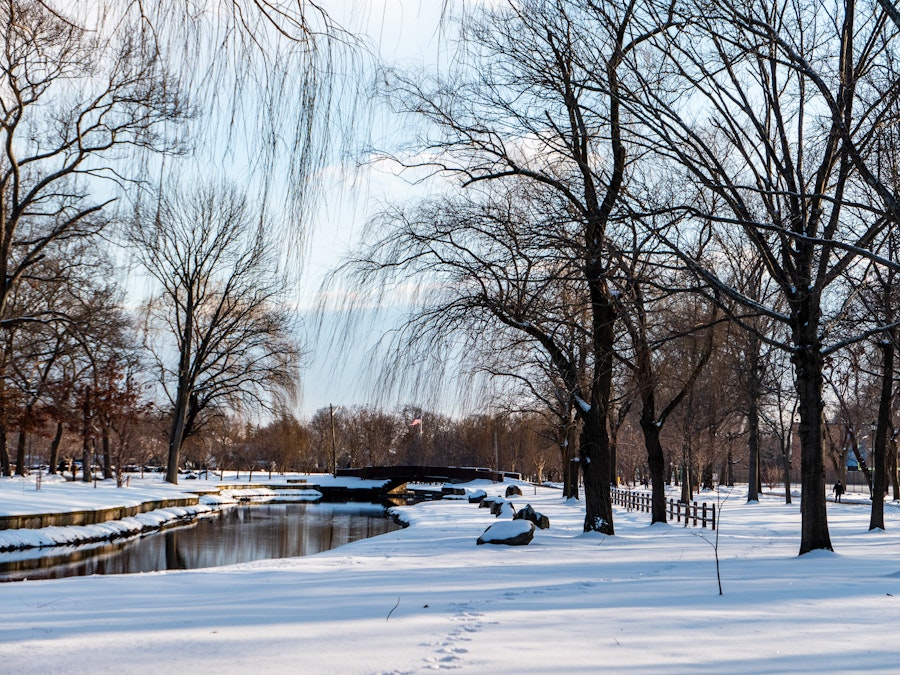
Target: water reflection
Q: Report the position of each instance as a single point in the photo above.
(234, 535)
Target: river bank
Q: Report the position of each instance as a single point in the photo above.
(53, 511)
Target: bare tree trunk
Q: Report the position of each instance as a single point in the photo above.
(20, 454)
(86, 437)
(809, 382)
(4, 453)
(656, 462)
(107, 455)
(176, 434)
(5, 466)
(613, 447)
(786, 468)
(706, 476)
(570, 469)
(753, 395)
(650, 426)
(892, 465)
(753, 459)
(54, 448)
(729, 467)
(879, 485)
(594, 456)
(573, 470)
(686, 479)
(687, 459)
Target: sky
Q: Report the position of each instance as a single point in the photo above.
(406, 32)
(337, 371)
(428, 598)
(342, 361)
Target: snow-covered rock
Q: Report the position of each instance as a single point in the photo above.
(477, 496)
(529, 514)
(508, 532)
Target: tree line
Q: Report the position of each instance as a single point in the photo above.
(332, 438)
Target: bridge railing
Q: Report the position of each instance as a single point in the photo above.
(692, 513)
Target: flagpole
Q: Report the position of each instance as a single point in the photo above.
(419, 423)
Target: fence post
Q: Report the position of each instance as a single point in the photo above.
(714, 516)
(703, 523)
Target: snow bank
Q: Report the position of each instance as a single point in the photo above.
(113, 529)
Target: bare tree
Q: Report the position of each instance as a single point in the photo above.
(881, 301)
(219, 309)
(659, 310)
(523, 108)
(797, 182)
(73, 287)
(778, 416)
(277, 81)
(71, 101)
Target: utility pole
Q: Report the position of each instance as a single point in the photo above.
(333, 444)
(496, 450)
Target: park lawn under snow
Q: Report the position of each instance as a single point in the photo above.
(427, 598)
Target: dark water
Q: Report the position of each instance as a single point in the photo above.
(233, 535)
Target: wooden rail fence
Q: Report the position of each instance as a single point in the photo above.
(692, 513)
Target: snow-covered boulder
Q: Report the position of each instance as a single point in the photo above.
(513, 490)
(508, 532)
(529, 514)
(488, 502)
(502, 508)
(477, 496)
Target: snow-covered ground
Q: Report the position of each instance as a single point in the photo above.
(428, 598)
(55, 494)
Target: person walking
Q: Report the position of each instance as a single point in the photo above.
(838, 491)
